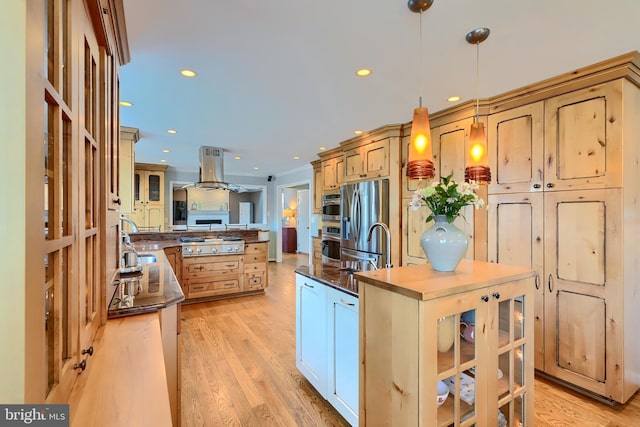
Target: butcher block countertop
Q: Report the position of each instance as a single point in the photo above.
(129, 386)
(422, 282)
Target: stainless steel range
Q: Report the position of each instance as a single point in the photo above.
(197, 246)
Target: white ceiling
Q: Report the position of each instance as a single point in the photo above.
(277, 78)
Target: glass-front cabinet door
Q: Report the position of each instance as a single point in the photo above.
(476, 372)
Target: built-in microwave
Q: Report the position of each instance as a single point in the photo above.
(331, 207)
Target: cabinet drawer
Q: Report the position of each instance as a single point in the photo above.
(217, 286)
(256, 280)
(215, 265)
(255, 248)
(249, 268)
(255, 257)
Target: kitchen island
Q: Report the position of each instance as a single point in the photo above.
(413, 335)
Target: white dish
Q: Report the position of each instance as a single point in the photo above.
(443, 393)
(134, 269)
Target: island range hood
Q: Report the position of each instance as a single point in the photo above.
(212, 171)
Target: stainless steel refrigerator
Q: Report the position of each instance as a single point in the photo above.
(362, 204)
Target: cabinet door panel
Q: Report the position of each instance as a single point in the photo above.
(515, 237)
(378, 160)
(311, 332)
(515, 145)
(581, 241)
(581, 344)
(452, 150)
(583, 138)
(583, 279)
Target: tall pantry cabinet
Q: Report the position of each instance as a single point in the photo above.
(565, 202)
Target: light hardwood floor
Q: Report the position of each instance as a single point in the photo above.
(238, 368)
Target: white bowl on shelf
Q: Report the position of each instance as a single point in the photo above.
(443, 393)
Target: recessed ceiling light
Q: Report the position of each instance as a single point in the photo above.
(166, 150)
(323, 148)
(255, 168)
(188, 73)
(163, 161)
(236, 158)
(363, 72)
(453, 99)
(126, 104)
(296, 157)
(172, 131)
(357, 132)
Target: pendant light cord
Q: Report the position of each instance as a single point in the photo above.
(420, 62)
(477, 81)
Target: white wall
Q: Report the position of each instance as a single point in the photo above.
(13, 190)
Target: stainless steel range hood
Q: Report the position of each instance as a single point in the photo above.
(212, 171)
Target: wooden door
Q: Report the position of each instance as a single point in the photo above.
(583, 138)
(583, 282)
(515, 237)
(515, 142)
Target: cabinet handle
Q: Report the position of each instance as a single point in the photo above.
(536, 185)
(88, 351)
(550, 284)
(117, 201)
(309, 286)
(484, 298)
(550, 185)
(350, 304)
(496, 295)
(82, 365)
(536, 280)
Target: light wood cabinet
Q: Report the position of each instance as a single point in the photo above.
(255, 266)
(317, 186)
(367, 161)
(316, 250)
(148, 196)
(564, 204)
(449, 155)
(410, 320)
(128, 138)
(212, 275)
(174, 256)
(332, 169)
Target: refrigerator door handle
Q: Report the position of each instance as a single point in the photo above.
(355, 214)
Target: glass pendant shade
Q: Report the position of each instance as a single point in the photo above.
(420, 161)
(477, 160)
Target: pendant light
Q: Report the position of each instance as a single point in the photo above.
(420, 159)
(477, 160)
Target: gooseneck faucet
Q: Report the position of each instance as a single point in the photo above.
(388, 233)
(134, 227)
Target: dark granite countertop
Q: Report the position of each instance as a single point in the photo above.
(154, 288)
(331, 276)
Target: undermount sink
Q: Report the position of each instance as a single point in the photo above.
(146, 258)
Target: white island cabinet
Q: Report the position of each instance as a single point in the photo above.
(327, 343)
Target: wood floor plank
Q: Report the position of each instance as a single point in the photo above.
(238, 368)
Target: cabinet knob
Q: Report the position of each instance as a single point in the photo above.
(82, 365)
(88, 351)
(536, 185)
(484, 298)
(117, 201)
(550, 185)
(496, 295)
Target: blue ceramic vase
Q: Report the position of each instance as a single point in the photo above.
(444, 244)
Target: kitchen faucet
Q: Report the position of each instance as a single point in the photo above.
(388, 233)
(134, 227)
